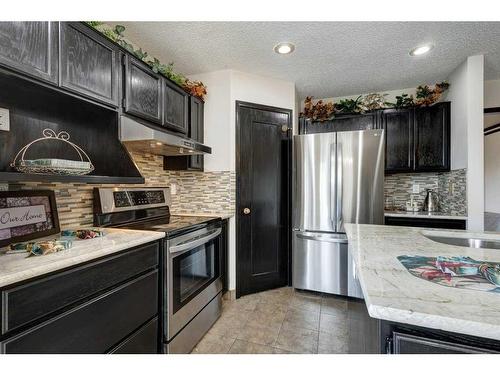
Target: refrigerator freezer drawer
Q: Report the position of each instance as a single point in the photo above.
(320, 262)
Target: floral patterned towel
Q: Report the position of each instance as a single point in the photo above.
(456, 272)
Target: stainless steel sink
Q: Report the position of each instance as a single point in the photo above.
(466, 242)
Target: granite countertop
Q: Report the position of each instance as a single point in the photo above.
(427, 215)
(392, 293)
(19, 267)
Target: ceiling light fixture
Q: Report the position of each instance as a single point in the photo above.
(422, 50)
(284, 48)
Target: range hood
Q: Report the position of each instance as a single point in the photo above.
(138, 137)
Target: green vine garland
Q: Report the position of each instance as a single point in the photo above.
(116, 34)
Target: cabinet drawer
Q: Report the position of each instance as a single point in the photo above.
(28, 302)
(144, 341)
(95, 326)
(410, 344)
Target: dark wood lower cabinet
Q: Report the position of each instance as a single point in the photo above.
(373, 336)
(107, 305)
(426, 222)
(34, 300)
(403, 343)
(144, 341)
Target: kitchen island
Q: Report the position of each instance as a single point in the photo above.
(393, 294)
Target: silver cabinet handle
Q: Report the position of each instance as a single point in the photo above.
(246, 211)
(333, 188)
(195, 243)
(340, 192)
(322, 238)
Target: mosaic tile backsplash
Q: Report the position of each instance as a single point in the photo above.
(450, 186)
(197, 192)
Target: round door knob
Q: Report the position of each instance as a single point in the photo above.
(246, 210)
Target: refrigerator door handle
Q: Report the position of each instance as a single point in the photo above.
(339, 192)
(333, 187)
(321, 238)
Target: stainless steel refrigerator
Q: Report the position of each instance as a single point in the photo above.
(338, 179)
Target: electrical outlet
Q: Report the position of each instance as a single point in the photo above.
(4, 119)
(451, 188)
(416, 189)
(173, 188)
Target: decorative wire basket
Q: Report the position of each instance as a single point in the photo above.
(53, 166)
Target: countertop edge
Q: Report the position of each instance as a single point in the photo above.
(483, 330)
(60, 265)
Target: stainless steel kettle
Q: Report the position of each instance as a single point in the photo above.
(431, 202)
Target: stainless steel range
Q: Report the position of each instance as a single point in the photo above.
(191, 259)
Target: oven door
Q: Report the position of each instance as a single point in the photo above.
(193, 274)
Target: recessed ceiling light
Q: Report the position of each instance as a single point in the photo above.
(284, 48)
(421, 50)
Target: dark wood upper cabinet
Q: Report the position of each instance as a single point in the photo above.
(89, 63)
(196, 125)
(30, 48)
(175, 107)
(417, 139)
(196, 117)
(346, 122)
(399, 151)
(432, 138)
(142, 91)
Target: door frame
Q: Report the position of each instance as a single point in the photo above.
(242, 104)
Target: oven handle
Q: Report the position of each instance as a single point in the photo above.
(195, 243)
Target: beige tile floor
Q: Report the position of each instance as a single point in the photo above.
(279, 321)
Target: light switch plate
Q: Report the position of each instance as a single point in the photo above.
(4, 119)
(416, 189)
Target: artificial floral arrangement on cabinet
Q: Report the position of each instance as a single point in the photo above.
(322, 111)
(116, 34)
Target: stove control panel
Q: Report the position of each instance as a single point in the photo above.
(127, 199)
(138, 198)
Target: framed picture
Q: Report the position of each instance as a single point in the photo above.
(26, 215)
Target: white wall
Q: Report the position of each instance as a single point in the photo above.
(475, 142)
(217, 119)
(224, 88)
(491, 148)
(491, 173)
(457, 94)
(492, 93)
(467, 96)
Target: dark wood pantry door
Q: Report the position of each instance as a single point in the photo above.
(263, 196)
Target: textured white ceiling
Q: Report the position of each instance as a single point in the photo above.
(331, 58)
